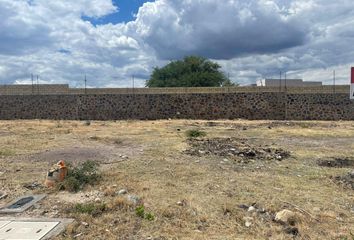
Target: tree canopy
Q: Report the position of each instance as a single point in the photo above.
(192, 71)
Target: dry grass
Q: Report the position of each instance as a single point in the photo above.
(208, 189)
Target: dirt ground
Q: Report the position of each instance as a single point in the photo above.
(228, 184)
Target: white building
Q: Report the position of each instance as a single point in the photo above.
(287, 83)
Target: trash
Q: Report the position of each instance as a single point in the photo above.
(56, 174)
(32, 186)
(3, 195)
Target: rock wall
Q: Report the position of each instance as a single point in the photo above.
(276, 106)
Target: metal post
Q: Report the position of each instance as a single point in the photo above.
(280, 81)
(37, 84)
(285, 83)
(133, 81)
(85, 85)
(334, 81)
(32, 83)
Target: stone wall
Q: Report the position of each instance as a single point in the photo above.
(276, 106)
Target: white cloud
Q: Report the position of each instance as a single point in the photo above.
(251, 39)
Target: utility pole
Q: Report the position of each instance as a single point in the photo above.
(280, 81)
(133, 82)
(285, 82)
(32, 83)
(85, 84)
(334, 81)
(37, 84)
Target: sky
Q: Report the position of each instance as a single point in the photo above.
(112, 41)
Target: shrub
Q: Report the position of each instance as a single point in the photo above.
(195, 133)
(85, 174)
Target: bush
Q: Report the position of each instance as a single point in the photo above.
(85, 174)
(195, 133)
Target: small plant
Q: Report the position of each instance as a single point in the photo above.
(140, 212)
(195, 133)
(85, 174)
(150, 217)
(6, 153)
(90, 208)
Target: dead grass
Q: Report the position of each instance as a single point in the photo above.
(190, 197)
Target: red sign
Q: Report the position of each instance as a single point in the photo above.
(352, 75)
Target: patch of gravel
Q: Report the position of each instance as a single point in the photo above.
(234, 148)
(337, 163)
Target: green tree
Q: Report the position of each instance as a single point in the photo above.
(192, 71)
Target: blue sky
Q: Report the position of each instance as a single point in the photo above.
(127, 9)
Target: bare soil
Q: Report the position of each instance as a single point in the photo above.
(227, 185)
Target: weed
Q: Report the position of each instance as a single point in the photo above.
(6, 153)
(195, 133)
(90, 208)
(150, 217)
(140, 212)
(85, 174)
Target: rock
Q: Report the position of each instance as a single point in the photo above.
(248, 221)
(225, 160)
(122, 192)
(248, 224)
(286, 217)
(98, 200)
(85, 224)
(134, 199)
(251, 209)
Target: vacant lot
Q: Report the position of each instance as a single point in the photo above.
(189, 179)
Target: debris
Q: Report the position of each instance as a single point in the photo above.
(56, 174)
(251, 209)
(232, 148)
(3, 195)
(248, 221)
(32, 186)
(122, 192)
(77, 235)
(85, 224)
(182, 203)
(286, 217)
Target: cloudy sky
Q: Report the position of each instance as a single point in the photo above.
(112, 40)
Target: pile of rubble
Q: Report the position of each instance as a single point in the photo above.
(234, 148)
